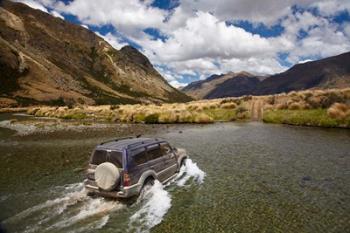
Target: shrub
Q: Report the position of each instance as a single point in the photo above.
(228, 105)
(331, 98)
(271, 100)
(185, 117)
(202, 118)
(167, 117)
(241, 109)
(152, 118)
(338, 111)
(281, 106)
(295, 106)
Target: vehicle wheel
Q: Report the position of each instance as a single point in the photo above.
(147, 185)
(183, 162)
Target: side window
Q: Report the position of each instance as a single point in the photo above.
(154, 152)
(139, 156)
(165, 148)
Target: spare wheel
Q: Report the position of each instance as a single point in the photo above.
(106, 176)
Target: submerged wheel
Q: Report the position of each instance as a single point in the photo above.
(183, 162)
(106, 176)
(147, 185)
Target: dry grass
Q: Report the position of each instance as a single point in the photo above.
(339, 111)
(206, 111)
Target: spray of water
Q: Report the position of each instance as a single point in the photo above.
(188, 172)
(75, 210)
(155, 204)
(156, 201)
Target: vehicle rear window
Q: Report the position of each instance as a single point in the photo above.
(101, 156)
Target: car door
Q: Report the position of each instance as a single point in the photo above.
(170, 159)
(139, 164)
(156, 161)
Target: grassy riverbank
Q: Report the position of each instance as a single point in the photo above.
(309, 117)
(324, 108)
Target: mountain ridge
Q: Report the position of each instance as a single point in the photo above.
(46, 60)
(331, 72)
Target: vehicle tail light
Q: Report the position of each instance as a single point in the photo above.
(126, 179)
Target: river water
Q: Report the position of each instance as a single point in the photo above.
(242, 177)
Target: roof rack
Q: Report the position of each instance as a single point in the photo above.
(116, 139)
(155, 140)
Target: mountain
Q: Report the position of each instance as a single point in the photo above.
(216, 86)
(332, 72)
(46, 60)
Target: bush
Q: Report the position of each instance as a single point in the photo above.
(152, 118)
(338, 111)
(229, 105)
(202, 118)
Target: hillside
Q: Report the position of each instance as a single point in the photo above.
(46, 60)
(222, 85)
(332, 72)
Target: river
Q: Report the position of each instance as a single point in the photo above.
(242, 177)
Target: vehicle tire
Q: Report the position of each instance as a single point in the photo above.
(107, 176)
(183, 162)
(147, 185)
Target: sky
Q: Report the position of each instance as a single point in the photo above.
(189, 40)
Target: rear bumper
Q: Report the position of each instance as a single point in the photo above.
(125, 192)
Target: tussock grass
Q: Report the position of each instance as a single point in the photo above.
(299, 108)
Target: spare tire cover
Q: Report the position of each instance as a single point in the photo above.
(106, 176)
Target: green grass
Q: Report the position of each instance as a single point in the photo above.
(311, 117)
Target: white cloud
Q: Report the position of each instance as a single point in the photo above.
(198, 40)
(128, 16)
(259, 66)
(113, 40)
(204, 36)
(34, 4)
(56, 14)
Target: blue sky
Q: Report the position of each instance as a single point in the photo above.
(188, 40)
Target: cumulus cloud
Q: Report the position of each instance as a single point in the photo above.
(197, 40)
(130, 16)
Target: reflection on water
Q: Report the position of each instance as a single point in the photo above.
(252, 178)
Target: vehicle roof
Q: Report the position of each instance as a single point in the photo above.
(128, 143)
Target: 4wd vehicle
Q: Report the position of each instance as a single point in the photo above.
(122, 167)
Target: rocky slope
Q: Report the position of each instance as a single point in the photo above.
(46, 60)
(224, 85)
(332, 72)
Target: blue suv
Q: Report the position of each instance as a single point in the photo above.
(120, 168)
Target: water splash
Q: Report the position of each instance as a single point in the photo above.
(92, 208)
(77, 193)
(189, 171)
(71, 208)
(155, 204)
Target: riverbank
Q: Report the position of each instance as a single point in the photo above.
(321, 108)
